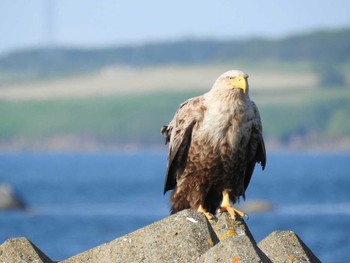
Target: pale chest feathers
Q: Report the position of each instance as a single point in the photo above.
(226, 126)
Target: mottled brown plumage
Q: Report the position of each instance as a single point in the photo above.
(215, 140)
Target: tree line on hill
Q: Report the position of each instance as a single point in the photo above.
(325, 49)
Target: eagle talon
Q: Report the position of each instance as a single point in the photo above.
(207, 214)
(232, 211)
(210, 216)
(227, 207)
(246, 216)
(219, 212)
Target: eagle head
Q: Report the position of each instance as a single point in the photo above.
(232, 80)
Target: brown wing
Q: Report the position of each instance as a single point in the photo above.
(178, 134)
(257, 151)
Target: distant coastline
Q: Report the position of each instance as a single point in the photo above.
(61, 145)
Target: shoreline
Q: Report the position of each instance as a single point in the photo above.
(339, 147)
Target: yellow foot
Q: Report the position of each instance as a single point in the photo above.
(227, 207)
(208, 215)
(231, 210)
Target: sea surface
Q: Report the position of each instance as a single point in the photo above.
(77, 200)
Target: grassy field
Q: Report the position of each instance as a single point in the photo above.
(127, 81)
(293, 108)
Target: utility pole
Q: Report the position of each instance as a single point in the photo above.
(49, 23)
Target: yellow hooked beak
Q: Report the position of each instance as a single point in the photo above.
(239, 83)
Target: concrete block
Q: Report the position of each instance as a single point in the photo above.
(286, 246)
(225, 227)
(232, 249)
(21, 250)
(240, 245)
(182, 237)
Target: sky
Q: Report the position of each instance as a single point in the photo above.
(88, 23)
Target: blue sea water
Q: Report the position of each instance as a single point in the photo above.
(78, 201)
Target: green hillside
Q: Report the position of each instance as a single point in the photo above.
(320, 116)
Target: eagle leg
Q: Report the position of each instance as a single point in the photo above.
(208, 215)
(227, 207)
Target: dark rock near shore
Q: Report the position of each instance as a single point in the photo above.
(9, 199)
(183, 237)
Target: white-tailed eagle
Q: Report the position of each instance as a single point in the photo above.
(215, 140)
